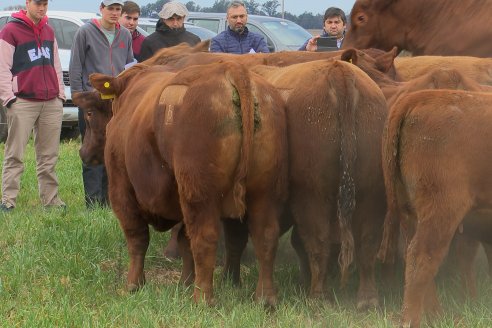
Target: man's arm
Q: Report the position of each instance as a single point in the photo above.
(215, 44)
(59, 72)
(6, 61)
(262, 45)
(77, 61)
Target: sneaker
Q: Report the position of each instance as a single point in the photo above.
(5, 209)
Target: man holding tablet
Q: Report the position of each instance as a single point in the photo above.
(334, 25)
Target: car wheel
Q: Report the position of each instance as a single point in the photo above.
(69, 133)
(3, 124)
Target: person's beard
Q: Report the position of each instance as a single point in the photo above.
(176, 30)
(238, 29)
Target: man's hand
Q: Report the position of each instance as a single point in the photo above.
(11, 101)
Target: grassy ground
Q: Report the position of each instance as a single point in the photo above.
(69, 269)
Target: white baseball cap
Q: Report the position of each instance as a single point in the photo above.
(173, 8)
(112, 2)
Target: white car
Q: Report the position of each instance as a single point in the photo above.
(65, 24)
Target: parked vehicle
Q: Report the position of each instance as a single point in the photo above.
(65, 24)
(280, 34)
(148, 25)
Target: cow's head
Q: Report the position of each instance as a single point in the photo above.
(378, 64)
(97, 113)
(374, 25)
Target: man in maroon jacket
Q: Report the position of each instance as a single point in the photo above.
(129, 19)
(31, 89)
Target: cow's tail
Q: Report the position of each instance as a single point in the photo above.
(347, 130)
(391, 171)
(239, 77)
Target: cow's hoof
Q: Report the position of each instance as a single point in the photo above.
(321, 296)
(367, 304)
(171, 253)
(132, 288)
(270, 301)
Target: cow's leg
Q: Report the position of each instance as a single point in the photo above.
(311, 216)
(466, 251)
(137, 239)
(427, 249)
(263, 224)
(305, 273)
(367, 222)
(488, 252)
(236, 239)
(135, 228)
(202, 226)
(171, 251)
(188, 271)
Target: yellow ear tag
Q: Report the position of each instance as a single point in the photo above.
(350, 61)
(103, 96)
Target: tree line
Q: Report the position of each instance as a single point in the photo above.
(267, 8)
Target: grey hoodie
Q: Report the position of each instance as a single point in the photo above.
(91, 53)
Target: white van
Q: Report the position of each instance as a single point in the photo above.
(280, 34)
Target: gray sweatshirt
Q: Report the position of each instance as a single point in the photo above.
(92, 53)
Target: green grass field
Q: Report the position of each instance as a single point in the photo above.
(69, 270)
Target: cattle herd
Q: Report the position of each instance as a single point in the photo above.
(356, 148)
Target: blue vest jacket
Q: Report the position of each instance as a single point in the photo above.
(232, 42)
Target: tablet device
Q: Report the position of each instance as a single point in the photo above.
(328, 43)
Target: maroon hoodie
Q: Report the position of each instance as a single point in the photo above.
(31, 53)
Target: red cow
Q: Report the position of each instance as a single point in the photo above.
(205, 143)
(436, 163)
(335, 116)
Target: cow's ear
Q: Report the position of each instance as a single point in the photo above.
(385, 62)
(105, 84)
(202, 46)
(82, 99)
(350, 55)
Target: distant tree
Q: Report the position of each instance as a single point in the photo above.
(14, 7)
(152, 9)
(219, 6)
(252, 7)
(265, 7)
(309, 21)
(270, 7)
(192, 6)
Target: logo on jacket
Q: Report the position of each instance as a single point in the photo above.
(35, 54)
(122, 45)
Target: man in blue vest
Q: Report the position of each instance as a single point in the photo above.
(236, 38)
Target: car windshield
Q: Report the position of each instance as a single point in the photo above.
(288, 33)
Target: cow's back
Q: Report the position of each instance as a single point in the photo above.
(478, 69)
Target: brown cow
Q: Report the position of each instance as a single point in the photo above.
(205, 143)
(423, 27)
(335, 117)
(436, 78)
(436, 163)
(478, 69)
(182, 56)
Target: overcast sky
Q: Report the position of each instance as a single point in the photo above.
(295, 7)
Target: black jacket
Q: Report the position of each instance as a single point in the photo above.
(164, 37)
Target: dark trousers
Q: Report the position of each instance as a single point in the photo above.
(94, 177)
